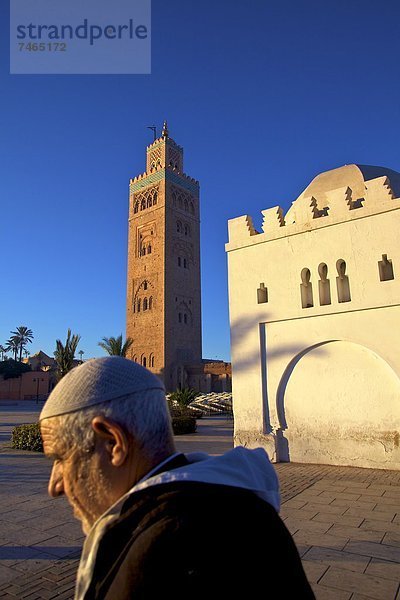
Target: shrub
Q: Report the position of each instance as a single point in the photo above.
(182, 425)
(183, 397)
(27, 437)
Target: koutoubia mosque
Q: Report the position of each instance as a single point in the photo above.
(313, 302)
(163, 282)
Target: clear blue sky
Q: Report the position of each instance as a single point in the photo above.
(262, 95)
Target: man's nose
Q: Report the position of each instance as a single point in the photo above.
(56, 484)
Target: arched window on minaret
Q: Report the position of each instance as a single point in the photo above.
(149, 249)
(151, 360)
(179, 227)
(186, 204)
(149, 201)
(191, 205)
(324, 286)
(155, 198)
(136, 207)
(138, 305)
(342, 282)
(150, 302)
(143, 204)
(306, 289)
(145, 303)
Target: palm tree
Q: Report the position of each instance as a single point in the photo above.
(115, 347)
(64, 354)
(183, 397)
(25, 336)
(81, 353)
(12, 345)
(2, 352)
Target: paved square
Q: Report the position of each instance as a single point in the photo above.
(345, 521)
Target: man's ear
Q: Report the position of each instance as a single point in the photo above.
(115, 438)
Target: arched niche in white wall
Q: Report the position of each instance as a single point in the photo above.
(339, 403)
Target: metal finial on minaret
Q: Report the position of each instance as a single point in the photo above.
(164, 133)
(154, 130)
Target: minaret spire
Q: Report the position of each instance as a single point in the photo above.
(164, 133)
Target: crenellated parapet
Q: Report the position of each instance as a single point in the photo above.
(344, 194)
(241, 228)
(273, 219)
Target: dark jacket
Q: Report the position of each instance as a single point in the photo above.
(197, 540)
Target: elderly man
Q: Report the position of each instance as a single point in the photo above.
(159, 523)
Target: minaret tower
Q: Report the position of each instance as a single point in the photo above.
(163, 284)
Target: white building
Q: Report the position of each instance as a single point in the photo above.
(314, 310)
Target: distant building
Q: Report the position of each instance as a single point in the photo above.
(163, 283)
(32, 385)
(314, 308)
(40, 362)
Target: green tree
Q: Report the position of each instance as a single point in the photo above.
(2, 352)
(24, 337)
(12, 345)
(64, 354)
(115, 347)
(11, 368)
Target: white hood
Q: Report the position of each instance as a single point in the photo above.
(247, 469)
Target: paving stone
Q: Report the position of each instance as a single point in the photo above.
(329, 487)
(58, 547)
(311, 538)
(367, 505)
(326, 508)
(348, 483)
(314, 571)
(294, 503)
(296, 513)
(356, 533)
(378, 525)
(371, 586)
(302, 525)
(392, 539)
(347, 496)
(302, 549)
(64, 531)
(384, 568)
(337, 519)
(374, 515)
(337, 559)
(387, 503)
(375, 493)
(393, 492)
(323, 593)
(7, 574)
(374, 550)
(327, 499)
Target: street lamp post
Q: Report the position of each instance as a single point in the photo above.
(37, 379)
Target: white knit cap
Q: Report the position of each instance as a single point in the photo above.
(98, 380)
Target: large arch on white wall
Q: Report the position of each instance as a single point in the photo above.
(339, 402)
